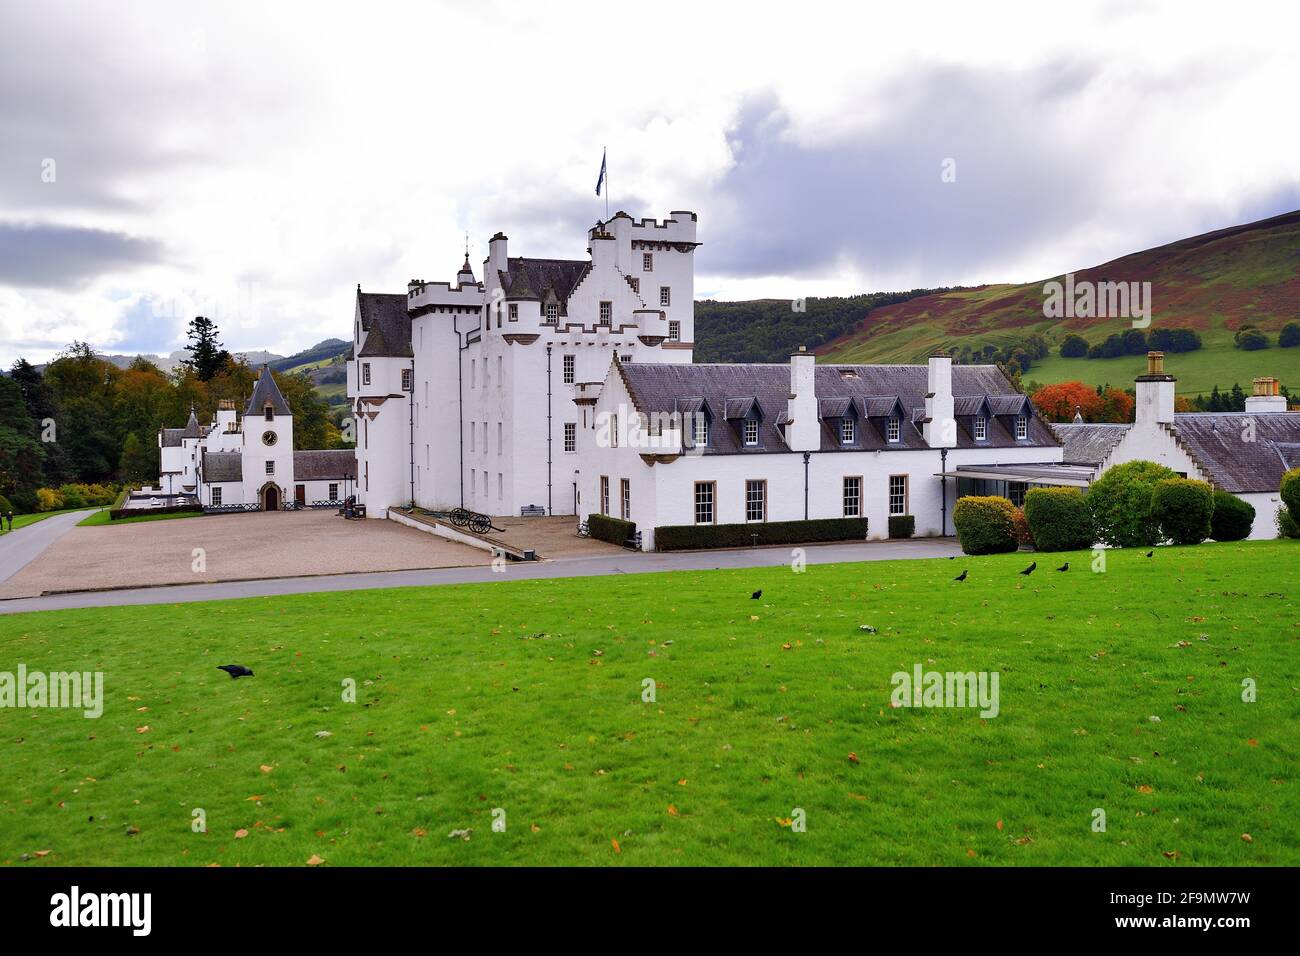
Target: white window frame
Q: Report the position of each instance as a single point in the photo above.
(700, 435)
(552, 313)
(408, 379)
(665, 296)
(606, 313)
(755, 500)
(851, 502)
(216, 496)
(981, 428)
(710, 502)
(570, 438)
(901, 482)
(647, 262)
(270, 466)
(674, 330)
(333, 491)
(604, 494)
(365, 373)
(894, 430)
(749, 432)
(847, 434)
(613, 430)
(625, 499)
(1022, 427)
(512, 312)
(569, 365)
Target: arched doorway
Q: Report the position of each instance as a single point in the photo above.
(270, 498)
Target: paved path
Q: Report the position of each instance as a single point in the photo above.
(626, 563)
(22, 546)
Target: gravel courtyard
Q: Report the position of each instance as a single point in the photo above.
(235, 547)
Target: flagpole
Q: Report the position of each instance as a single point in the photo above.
(605, 153)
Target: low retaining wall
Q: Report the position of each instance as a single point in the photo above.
(451, 533)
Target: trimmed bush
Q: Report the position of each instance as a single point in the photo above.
(1120, 502)
(684, 537)
(1290, 491)
(902, 526)
(1232, 518)
(1059, 519)
(1286, 525)
(1024, 536)
(1182, 507)
(985, 525)
(613, 530)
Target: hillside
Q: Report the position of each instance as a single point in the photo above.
(325, 364)
(1213, 283)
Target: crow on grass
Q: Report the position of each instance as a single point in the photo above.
(961, 577)
(1029, 570)
(235, 670)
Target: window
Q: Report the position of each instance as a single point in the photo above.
(568, 369)
(1016, 492)
(613, 430)
(755, 500)
(625, 505)
(334, 492)
(898, 494)
(498, 315)
(893, 430)
(473, 431)
(701, 436)
(636, 285)
(365, 373)
(216, 497)
(501, 485)
(604, 495)
(853, 497)
(846, 431)
(499, 375)
(981, 429)
(625, 359)
(1022, 427)
(750, 431)
(674, 330)
(269, 413)
(406, 380)
(552, 313)
(500, 443)
(665, 295)
(704, 491)
(606, 312)
(570, 436)
(270, 466)
(647, 262)
(514, 312)
(473, 373)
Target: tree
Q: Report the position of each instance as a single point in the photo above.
(1135, 342)
(1074, 346)
(1290, 336)
(85, 387)
(1117, 405)
(21, 455)
(139, 459)
(1058, 402)
(1250, 340)
(206, 354)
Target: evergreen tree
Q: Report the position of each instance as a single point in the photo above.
(207, 357)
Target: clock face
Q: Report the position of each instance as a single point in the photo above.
(268, 438)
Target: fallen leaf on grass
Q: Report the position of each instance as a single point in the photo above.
(999, 824)
(614, 844)
(240, 834)
(266, 768)
(143, 730)
(314, 860)
(672, 811)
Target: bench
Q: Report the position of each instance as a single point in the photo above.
(532, 511)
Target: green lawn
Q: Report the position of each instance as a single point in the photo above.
(102, 517)
(527, 696)
(22, 521)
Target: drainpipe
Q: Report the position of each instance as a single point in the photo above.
(549, 436)
(806, 457)
(462, 339)
(410, 415)
(943, 493)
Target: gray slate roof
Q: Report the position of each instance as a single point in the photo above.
(1089, 444)
(266, 391)
(171, 437)
(663, 387)
(532, 278)
(223, 466)
(326, 464)
(388, 327)
(1218, 442)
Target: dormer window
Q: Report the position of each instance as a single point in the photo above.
(981, 428)
(893, 430)
(846, 431)
(552, 313)
(750, 431)
(1022, 427)
(701, 436)
(269, 412)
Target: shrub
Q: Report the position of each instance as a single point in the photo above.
(1074, 346)
(1120, 502)
(1286, 525)
(47, 499)
(1059, 519)
(686, 536)
(5, 506)
(1232, 518)
(1290, 491)
(73, 496)
(1182, 507)
(985, 525)
(1290, 336)
(613, 530)
(24, 502)
(1024, 536)
(902, 526)
(1251, 340)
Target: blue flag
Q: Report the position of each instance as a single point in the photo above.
(601, 180)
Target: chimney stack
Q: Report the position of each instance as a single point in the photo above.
(1155, 392)
(940, 427)
(804, 431)
(1268, 396)
(497, 259)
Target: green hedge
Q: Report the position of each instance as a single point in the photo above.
(902, 526)
(687, 536)
(985, 525)
(115, 514)
(1120, 502)
(1232, 518)
(1290, 491)
(613, 530)
(1286, 525)
(1059, 519)
(1182, 507)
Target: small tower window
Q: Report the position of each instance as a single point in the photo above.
(269, 412)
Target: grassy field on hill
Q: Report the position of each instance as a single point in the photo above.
(1119, 691)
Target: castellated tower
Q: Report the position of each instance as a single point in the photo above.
(463, 392)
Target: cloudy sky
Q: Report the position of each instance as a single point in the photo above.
(255, 161)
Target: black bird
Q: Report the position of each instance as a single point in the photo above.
(1064, 567)
(1149, 553)
(756, 595)
(961, 577)
(1029, 570)
(235, 670)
